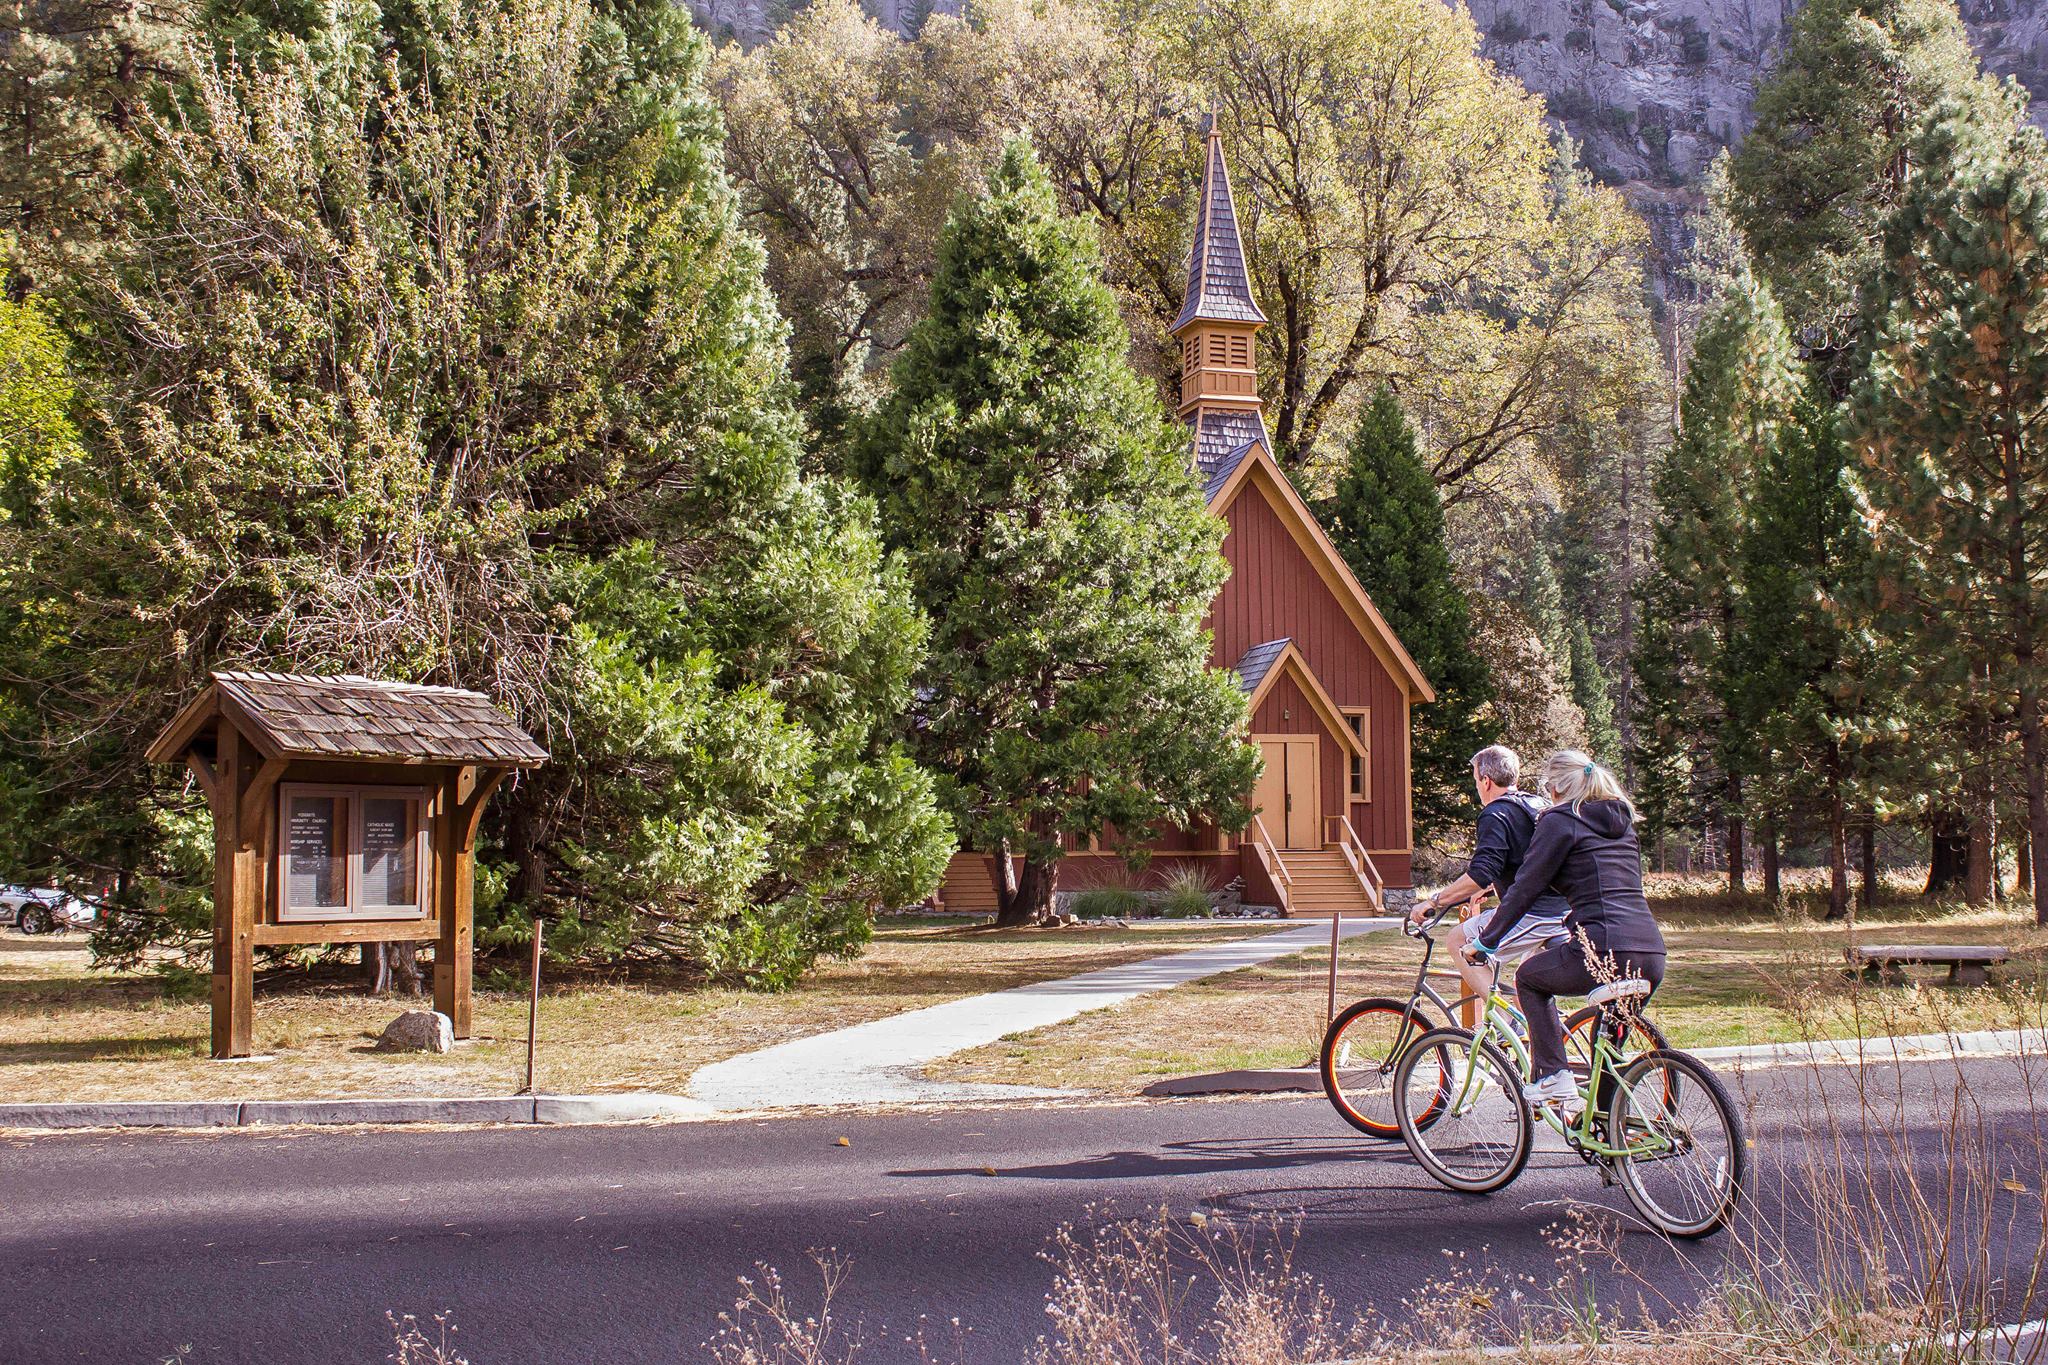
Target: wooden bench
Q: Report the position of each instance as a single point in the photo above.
(1966, 962)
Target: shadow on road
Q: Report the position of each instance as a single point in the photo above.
(1199, 1156)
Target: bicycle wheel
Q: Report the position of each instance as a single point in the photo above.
(1689, 1153)
(1359, 1053)
(1469, 1129)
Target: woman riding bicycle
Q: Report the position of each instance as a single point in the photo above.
(1585, 849)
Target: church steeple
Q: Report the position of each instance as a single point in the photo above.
(1219, 289)
(1219, 379)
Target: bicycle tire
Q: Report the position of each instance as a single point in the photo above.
(1493, 1164)
(1354, 1103)
(1730, 1154)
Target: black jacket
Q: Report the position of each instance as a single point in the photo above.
(1505, 827)
(1590, 856)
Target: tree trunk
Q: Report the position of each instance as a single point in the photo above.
(2023, 854)
(387, 963)
(1869, 860)
(2033, 758)
(1980, 796)
(1948, 851)
(1767, 851)
(526, 847)
(1735, 869)
(1033, 902)
(1024, 895)
(1002, 869)
(1838, 860)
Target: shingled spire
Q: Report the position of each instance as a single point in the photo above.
(1219, 289)
(1219, 381)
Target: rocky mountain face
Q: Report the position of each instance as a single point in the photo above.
(1653, 89)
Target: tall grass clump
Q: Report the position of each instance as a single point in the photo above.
(1108, 902)
(1184, 894)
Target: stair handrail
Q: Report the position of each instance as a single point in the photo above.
(1272, 851)
(1360, 861)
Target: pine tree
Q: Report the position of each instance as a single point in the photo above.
(1058, 539)
(1948, 424)
(1591, 694)
(1739, 389)
(1796, 673)
(1828, 154)
(1386, 518)
(74, 76)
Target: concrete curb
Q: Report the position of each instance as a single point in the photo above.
(136, 1114)
(553, 1109)
(1918, 1047)
(479, 1109)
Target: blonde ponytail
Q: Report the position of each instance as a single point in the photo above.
(1570, 778)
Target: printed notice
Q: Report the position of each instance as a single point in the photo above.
(391, 852)
(315, 854)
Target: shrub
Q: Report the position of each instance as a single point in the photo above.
(1109, 902)
(181, 984)
(1185, 894)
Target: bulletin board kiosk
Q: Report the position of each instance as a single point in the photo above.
(345, 810)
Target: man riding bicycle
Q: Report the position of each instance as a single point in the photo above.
(1507, 822)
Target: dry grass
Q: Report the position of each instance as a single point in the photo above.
(68, 1033)
(1739, 973)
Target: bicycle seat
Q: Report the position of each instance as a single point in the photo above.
(1628, 988)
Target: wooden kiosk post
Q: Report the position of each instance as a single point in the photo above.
(345, 810)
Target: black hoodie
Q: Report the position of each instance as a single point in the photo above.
(1591, 858)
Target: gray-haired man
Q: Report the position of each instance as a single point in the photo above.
(1507, 821)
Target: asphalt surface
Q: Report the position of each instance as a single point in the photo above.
(626, 1243)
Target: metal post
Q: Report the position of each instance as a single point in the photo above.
(1336, 918)
(533, 1007)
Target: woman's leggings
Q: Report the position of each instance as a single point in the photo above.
(1564, 970)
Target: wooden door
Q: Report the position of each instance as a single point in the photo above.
(1286, 794)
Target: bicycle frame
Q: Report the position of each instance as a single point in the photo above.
(1583, 1134)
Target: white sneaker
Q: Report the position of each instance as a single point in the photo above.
(1555, 1088)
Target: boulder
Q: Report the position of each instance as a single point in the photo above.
(418, 1031)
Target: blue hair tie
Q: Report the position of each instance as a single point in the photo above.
(1589, 770)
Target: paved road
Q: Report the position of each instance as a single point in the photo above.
(625, 1243)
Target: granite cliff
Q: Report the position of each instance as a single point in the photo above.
(1653, 89)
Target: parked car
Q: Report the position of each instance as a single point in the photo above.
(42, 909)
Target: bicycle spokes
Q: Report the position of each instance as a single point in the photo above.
(1682, 1144)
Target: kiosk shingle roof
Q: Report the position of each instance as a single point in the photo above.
(365, 718)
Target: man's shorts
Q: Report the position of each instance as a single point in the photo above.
(1530, 935)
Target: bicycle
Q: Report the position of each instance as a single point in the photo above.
(1666, 1130)
(1364, 1043)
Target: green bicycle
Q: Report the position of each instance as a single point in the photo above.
(1659, 1123)
(1364, 1043)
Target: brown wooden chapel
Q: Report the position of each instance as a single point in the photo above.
(1329, 686)
(345, 810)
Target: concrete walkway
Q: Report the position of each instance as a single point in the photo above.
(881, 1062)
